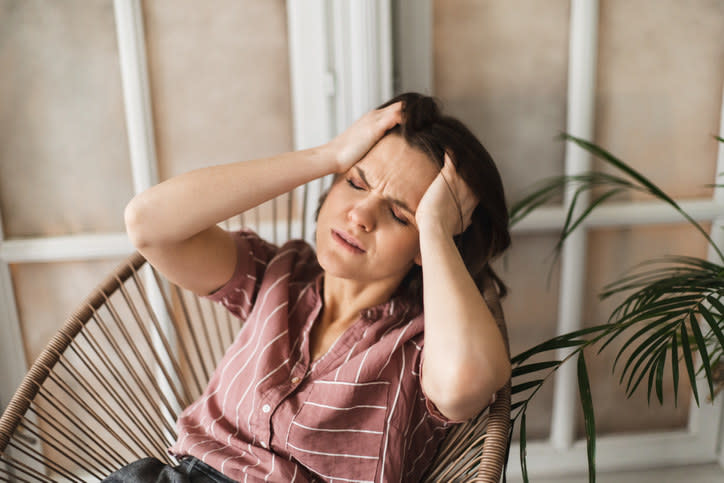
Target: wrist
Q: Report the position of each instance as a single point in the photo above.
(327, 158)
(434, 228)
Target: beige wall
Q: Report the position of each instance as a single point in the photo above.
(63, 150)
(502, 68)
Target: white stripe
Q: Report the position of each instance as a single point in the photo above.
(239, 351)
(389, 417)
(345, 409)
(231, 384)
(424, 448)
(332, 478)
(253, 398)
(352, 383)
(394, 349)
(266, 477)
(362, 363)
(359, 370)
(337, 430)
(246, 294)
(358, 456)
(202, 442)
(251, 338)
(351, 351)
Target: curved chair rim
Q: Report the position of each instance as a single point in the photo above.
(49, 357)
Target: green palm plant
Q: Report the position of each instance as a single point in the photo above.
(674, 309)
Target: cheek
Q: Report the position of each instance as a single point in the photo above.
(406, 246)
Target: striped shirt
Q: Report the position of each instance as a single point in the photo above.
(269, 413)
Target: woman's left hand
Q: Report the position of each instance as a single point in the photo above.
(448, 202)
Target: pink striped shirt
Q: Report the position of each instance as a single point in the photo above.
(269, 413)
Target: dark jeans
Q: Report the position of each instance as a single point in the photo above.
(190, 470)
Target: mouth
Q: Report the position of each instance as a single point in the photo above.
(347, 241)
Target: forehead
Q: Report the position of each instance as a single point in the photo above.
(398, 167)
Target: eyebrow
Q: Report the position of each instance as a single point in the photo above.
(396, 201)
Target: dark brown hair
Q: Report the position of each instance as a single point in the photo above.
(424, 127)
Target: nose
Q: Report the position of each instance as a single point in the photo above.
(363, 214)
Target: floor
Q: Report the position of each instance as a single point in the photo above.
(710, 473)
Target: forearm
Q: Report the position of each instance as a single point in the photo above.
(465, 357)
(183, 206)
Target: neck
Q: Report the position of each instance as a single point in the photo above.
(344, 299)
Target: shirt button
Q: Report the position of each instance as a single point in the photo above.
(295, 380)
(266, 408)
(263, 444)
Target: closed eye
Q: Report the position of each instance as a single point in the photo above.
(353, 184)
(399, 220)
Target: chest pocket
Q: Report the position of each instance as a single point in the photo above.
(338, 431)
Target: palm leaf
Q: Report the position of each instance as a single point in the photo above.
(632, 384)
(524, 386)
(523, 456)
(642, 180)
(686, 349)
(660, 365)
(534, 367)
(675, 368)
(584, 391)
(571, 339)
(703, 352)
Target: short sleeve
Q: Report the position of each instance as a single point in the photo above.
(253, 255)
(429, 405)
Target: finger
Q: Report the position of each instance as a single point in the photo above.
(392, 114)
(465, 198)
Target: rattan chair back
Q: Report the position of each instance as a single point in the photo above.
(109, 386)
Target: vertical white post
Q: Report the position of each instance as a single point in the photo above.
(362, 40)
(580, 116)
(142, 145)
(136, 93)
(341, 66)
(12, 353)
(312, 85)
(414, 37)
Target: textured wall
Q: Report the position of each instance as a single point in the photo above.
(63, 147)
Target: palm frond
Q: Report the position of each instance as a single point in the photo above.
(672, 310)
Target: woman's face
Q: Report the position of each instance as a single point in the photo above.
(366, 227)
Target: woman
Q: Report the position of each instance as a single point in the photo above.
(326, 379)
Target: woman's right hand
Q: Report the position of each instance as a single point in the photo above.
(351, 145)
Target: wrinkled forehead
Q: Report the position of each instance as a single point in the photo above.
(398, 168)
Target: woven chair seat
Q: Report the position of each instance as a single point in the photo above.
(109, 386)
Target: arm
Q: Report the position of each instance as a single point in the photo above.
(466, 361)
(173, 224)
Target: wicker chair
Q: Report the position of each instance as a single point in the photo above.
(110, 384)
